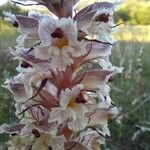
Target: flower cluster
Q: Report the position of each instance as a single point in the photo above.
(61, 99)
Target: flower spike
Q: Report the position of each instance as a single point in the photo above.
(61, 92)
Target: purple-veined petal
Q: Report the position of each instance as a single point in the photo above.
(95, 50)
(100, 115)
(99, 11)
(26, 22)
(40, 65)
(87, 13)
(93, 79)
(18, 89)
(27, 25)
(45, 97)
(11, 128)
(75, 146)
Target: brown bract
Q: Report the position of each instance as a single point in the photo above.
(61, 8)
(87, 13)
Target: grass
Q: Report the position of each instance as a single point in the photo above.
(130, 90)
(137, 33)
(7, 35)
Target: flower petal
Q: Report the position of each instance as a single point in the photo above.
(27, 25)
(75, 146)
(97, 50)
(11, 128)
(85, 15)
(93, 79)
(100, 115)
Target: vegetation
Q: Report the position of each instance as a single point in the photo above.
(138, 33)
(12, 8)
(134, 12)
(131, 93)
(7, 70)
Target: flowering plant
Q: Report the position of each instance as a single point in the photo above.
(61, 99)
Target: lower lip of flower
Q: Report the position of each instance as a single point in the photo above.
(72, 104)
(61, 42)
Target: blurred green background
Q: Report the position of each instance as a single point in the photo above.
(130, 90)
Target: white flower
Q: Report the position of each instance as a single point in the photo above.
(27, 25)
(91, 139)
(59, 42)
(100, 114)
(97, 19)
(31, 137)
(102, 29)
(16, 143)
(70, 110)
(29, 78)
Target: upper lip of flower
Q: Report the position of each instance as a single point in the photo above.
(58, 33)
(90, 11)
